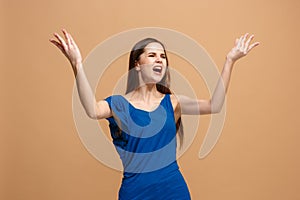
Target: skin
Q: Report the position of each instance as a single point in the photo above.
(146, 97)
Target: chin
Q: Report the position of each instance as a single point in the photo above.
(153, 81)
(156, 80)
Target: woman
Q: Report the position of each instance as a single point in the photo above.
(144, 121)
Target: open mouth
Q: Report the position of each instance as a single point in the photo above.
(157, 69)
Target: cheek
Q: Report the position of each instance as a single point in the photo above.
(146, 60)
(146, 70)
(164, 71)
(165, 62)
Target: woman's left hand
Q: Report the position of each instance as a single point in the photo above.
(242, 47)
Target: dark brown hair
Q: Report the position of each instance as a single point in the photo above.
(163, 86)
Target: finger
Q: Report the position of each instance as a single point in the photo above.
(243, 41)
(61, 40)
(239, 42)
(57, 44)
(248, 42)
(53, 41)
(72, 40)
(66, 34)
(245, 36)
(236, 41)
(252, 46)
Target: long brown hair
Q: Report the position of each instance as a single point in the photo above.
(163, 86)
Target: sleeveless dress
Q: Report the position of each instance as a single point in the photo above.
(146, 144)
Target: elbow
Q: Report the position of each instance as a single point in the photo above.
(215, 108)
(215, 111)
(92, 115)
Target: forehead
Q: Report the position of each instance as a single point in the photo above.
(154, 46)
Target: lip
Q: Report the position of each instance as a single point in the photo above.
(157, 69)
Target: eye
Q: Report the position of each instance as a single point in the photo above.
(163, 56)
(151, 54)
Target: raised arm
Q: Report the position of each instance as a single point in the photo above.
(214, 105)
(94, 109)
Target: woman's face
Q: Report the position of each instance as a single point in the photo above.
(152, 63)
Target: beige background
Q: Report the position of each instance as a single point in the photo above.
(257, 156)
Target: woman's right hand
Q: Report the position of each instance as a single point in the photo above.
(68, 47)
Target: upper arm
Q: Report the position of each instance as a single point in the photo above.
(191, 106)
(103, 110)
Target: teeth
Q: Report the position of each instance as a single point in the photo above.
(157, 69)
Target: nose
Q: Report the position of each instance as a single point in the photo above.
(158, 59)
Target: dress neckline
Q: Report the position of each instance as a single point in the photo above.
(146, 111)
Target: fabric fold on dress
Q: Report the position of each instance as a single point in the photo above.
(146, 143)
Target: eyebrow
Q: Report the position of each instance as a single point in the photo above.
(152, 52)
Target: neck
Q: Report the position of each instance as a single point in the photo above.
(147, 92)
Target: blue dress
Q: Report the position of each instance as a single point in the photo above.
(146, 143)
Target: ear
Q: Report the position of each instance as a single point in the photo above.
(137, 66)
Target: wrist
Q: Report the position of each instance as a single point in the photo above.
(76, 62)
(229, 60)
(228, 66)
(76, 67)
